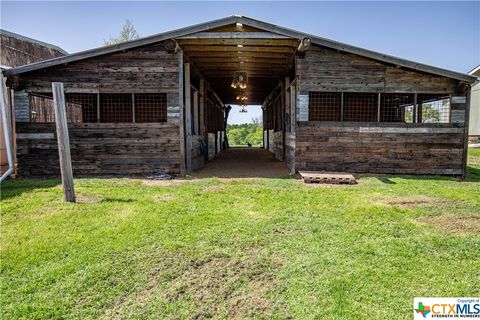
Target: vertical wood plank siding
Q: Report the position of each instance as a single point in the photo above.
(121, 149)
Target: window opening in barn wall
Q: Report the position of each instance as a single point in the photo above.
(150, 107)
(116, 108)
(378, 107)
(433, 108)
(396, 107)
(360, 107)
(84, 108)
(324, 106)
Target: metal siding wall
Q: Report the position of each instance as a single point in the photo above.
(474, 128)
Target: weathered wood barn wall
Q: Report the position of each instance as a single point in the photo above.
(328, 106)
(17, 50)
(108, 148)
(374, 146)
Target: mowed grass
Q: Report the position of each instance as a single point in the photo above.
(259, 248)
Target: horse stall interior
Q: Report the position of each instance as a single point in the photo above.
(158, 103)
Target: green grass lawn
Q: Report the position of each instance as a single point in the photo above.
(259, 248)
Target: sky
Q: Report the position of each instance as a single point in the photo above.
(443, 34)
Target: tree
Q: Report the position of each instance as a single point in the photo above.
(242, 134)
(127, 33)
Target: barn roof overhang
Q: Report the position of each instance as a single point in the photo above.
(271, 28)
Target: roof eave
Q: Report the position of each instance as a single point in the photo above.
(251, 22)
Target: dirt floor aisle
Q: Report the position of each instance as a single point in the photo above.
(243, 163)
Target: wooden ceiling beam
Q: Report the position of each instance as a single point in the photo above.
(209, 60)
(190, 48)
(219, 54)
(230, 75)
(236, 42)
(235, 35)
(241, 66)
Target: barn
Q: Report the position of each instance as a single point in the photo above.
(158, 103)
(17, 50)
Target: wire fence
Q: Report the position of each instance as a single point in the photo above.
(85, 107)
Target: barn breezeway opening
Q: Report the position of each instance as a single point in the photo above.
(242, 73)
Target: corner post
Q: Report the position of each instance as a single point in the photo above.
(63, 141)
(465, 131)
(188, 117)
(181, 102)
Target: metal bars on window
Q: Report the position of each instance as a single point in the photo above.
(80, 108)
(396, 107)
(324, 106)
(87, 107)
(433, 108)
(379, 107)
(150, 107)
(360, 107)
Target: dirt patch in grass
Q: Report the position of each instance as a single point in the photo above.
(219, 187)
(165, 183)
(87, 198)
(164, 197)
(412, 202)
(453, 224)
(217, 286)
(241, 287)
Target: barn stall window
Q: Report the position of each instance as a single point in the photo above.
(324, 106)
(360, 107)
(433, 108)
(150, 107)
(116, 108)
(84, 107)
(396, 107)
(80, 108)
(85, 102)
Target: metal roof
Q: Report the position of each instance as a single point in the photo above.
(475, 71)
(249, 22)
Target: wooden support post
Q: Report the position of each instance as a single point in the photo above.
(293, 103)
(415, 109)
(63, 142)
(203, 96)
(181, 101)
(196, 122)
(341, 105)
(288, 104)
(378, 107)
(466, 124)
(188, 117)
(133, 108)
(98, 107)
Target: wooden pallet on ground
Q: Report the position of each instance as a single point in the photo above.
(327, 177)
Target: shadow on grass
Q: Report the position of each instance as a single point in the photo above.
(12, 188)
(386, 180)
(111, 200)
(473, 174)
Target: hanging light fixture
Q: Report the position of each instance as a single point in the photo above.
(242, 98)
(239, 80)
